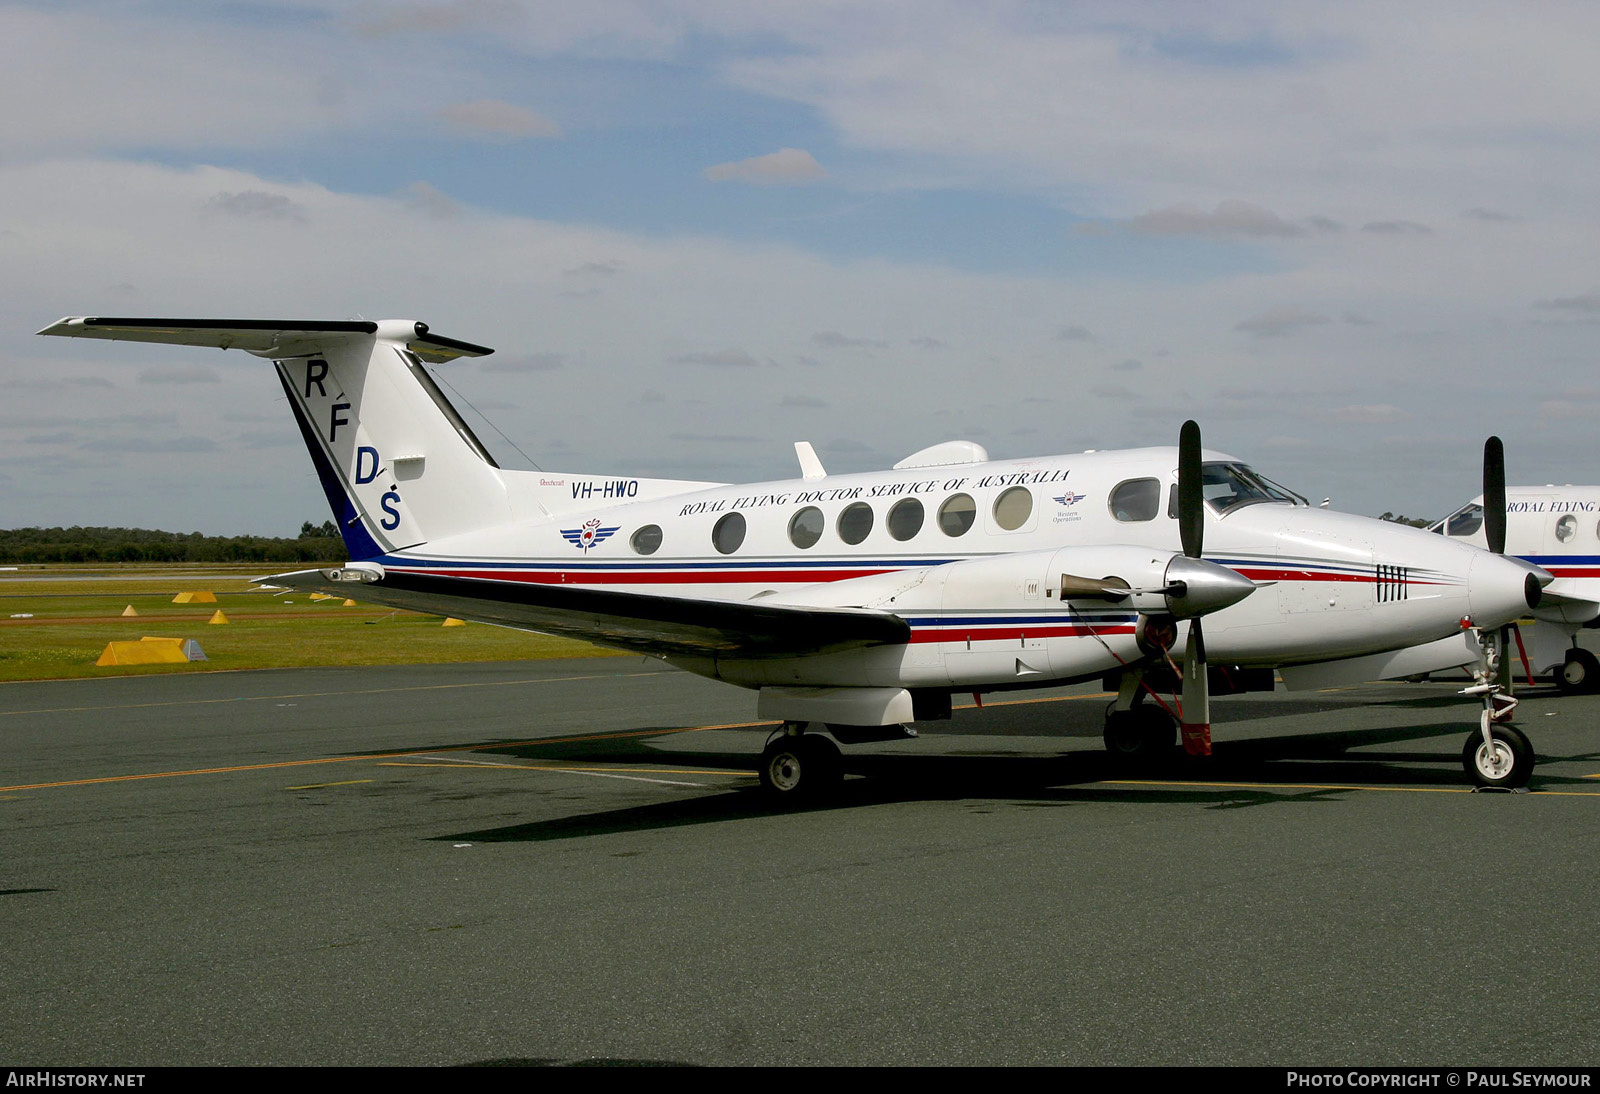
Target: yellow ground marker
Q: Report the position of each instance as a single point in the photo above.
(195, 598)
(217, 617)
(148, 652)
(322, 596)
(128, 612)
(454, 622)
(349, 603)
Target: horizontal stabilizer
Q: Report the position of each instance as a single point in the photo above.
(660, 625)
(265, 337)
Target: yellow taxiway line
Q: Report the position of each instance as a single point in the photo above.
(329, 694)
(387, 758)
(378, 756)
(620, 735)
(1326, 786)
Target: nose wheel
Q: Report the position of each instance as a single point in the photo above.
(1504, 761)
(1497, 755)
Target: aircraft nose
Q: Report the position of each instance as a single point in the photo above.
(1500, 589)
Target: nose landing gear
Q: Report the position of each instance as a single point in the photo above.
(1497, 755)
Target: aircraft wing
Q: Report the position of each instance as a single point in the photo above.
(660, 625)
(1549, 598)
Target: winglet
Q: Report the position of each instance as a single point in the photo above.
(810, 466)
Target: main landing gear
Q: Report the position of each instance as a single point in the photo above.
(1141, 735)
(1579, 674)
(1138, 734)
(799, 768)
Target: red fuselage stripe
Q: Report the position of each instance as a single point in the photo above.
(655, 577)
(584, 576)
(1255, 573)
(1011, 634)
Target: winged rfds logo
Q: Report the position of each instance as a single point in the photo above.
(1069, 498)
(590, 535)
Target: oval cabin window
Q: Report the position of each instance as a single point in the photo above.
(647, 540)
(905, 519)
(728, 533)
(805, 527)
(957, 514)
(1013, 508)
(855, 522)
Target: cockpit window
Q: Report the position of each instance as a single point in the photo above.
(1227, 486)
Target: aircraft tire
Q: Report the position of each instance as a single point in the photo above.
(1143, 735)
(800, 770)
(1509, 766)
(1579, 674)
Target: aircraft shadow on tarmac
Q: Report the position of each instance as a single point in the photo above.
(1309, 768)
(601, 1061)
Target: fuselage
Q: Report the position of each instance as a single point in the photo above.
(1333, 585)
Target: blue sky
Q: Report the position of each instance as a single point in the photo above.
(1351, 240)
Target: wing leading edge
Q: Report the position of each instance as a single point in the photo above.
(637, 622)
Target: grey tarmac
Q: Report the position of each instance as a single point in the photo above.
(550, 863)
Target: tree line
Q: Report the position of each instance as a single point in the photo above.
(316, 543)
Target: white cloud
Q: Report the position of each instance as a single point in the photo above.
(1372, 414)
(533, 362)
(258, 204)
(1584, 303)
(719, 358)
(1349, 109)
(832, 339)
(493, 119)
(1397, 228)
(1276, 322)
(195, 373)
(110, 79)
(1230, 218)
(429, 200)
(785, 166)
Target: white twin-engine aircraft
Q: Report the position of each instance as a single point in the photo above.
(1556, 528)
(864, 601)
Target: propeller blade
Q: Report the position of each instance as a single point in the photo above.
(1494, 494)
(1191, 498)
(1196, 695)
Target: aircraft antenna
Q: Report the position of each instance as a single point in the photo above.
(438, 376)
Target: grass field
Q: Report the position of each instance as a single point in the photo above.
(76, 610)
